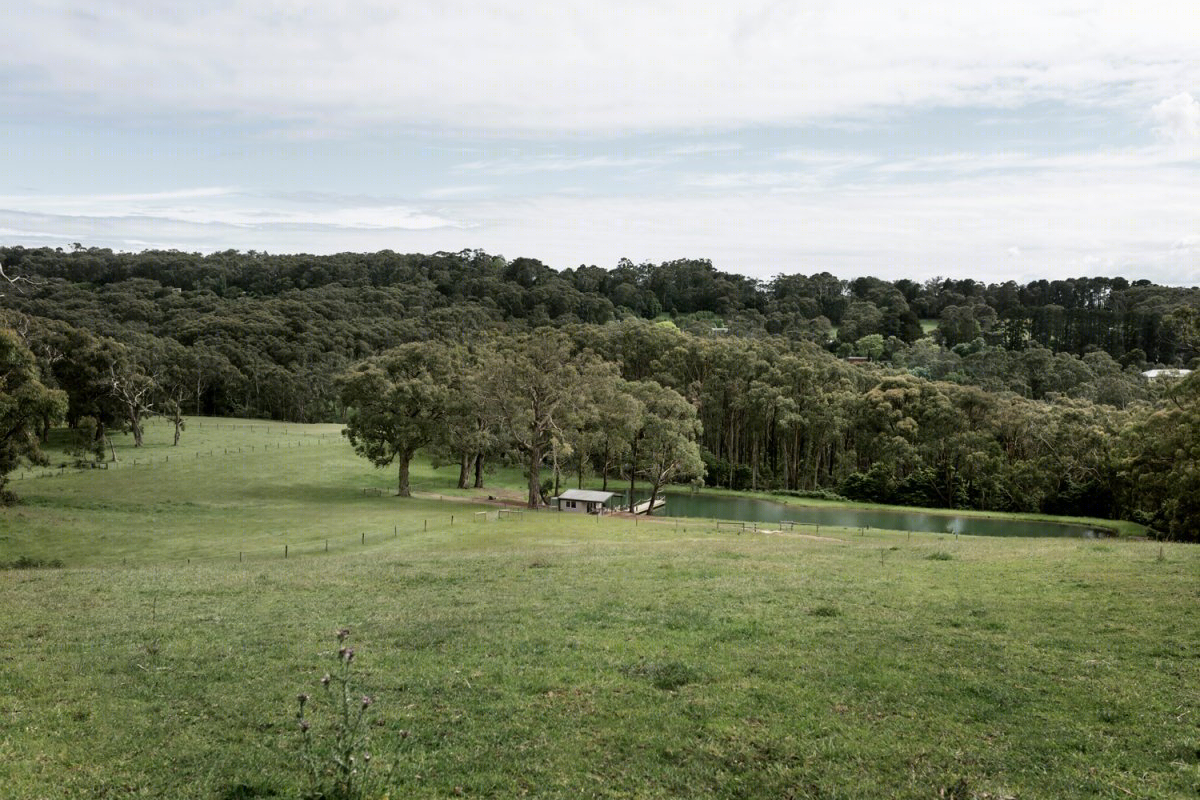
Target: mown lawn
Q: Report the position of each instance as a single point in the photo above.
(555, 656)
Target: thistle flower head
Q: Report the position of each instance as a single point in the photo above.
(325, 680)
(366, 701)
(304, 726)
(341, 634)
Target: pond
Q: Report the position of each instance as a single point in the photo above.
(715, 506)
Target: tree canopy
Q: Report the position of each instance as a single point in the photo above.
(1022, 397)
(395, 403)
(25, 405)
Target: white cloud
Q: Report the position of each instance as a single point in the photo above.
(1178, 121)
(1114, 220)
(228, 207)
(702, 149)
(750, 179)
(473, 190)
(15, 234)
(583, 66)
(553, 163)
(780, 137)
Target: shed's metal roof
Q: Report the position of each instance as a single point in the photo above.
(585, 495)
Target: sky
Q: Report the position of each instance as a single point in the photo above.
(999, 140)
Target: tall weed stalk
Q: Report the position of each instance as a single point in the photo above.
(337, 755)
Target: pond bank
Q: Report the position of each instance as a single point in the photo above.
(712, 505)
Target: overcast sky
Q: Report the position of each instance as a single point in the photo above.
(990, 140)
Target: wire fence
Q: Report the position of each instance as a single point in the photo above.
(286, 439)
(465, 521)
(343, 542)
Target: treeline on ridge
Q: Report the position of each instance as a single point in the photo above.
(1024, 398)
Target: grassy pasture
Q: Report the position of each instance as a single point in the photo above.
(559, 656)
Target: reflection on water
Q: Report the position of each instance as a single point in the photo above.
(700, 504)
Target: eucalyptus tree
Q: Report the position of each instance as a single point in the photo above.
(134, 380)
(769, 407)
(605, 432)
(133, 391)
(468, 431)
(24, 403)
(536, 385)
(1160, 463)
(85, 373)
(664, 446)
(396, 403)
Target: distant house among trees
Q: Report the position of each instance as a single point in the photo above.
(1154, 374)
(584, 501)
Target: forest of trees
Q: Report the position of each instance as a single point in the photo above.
(988, 396)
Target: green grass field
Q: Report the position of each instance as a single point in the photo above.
(558, 656)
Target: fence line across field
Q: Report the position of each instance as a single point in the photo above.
(61, 467)
(344, 542)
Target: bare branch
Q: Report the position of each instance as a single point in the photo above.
(16, 280)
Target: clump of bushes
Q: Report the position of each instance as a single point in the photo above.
(25, 562)
(813, 494)
(665, 675)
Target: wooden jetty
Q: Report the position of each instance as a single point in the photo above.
(644, 506)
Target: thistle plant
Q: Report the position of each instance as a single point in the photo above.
(337, 756)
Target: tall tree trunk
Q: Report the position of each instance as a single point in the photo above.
(554, 454)
(103, 439)
(655, 485)
(479, 470)
(787, 465)
(605, 486)
(535, 484)
(402, 488)
(754, 464)
(464, 470)
(632, 471)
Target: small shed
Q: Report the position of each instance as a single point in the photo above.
(584, 501)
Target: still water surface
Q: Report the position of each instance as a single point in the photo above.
(713, 506)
